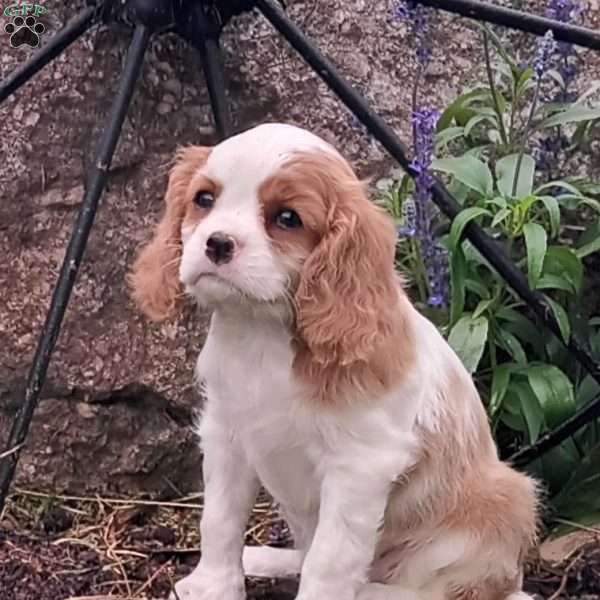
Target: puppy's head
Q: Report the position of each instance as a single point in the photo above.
(276, 217)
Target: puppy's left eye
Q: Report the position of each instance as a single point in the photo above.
(288, 219)
(204, 199)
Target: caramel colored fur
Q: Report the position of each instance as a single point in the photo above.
(351, 335)
(154, 280)
(459, 487)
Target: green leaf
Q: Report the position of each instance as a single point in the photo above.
(535, 242)
(483, 306)
(505, 173)
(512, 345)
(558, 466)
(587, 249)
(573, 114)
(461, 220)
(468, 338)
(501, 101)
(563, 262)
(561, 185)
(579, 498)
(445, 136)
(515, 421)
(524, 329)
(469, 170)
(451, 112)
(500, 380)
(587, 242)
(553, 209)
(525, 83)
(554, 391)
(459, 190)
(587, 390)
(554, 282)
(458, 273)
(561, 316)
(500, 216)
(499, 201)
(591, 202)
(474, 121)
(530, 409)
(477, 288)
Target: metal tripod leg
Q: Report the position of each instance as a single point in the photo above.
(202, 31)
(96, 180)
(62, 40)
(213, 73)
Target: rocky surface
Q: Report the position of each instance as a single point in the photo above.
(48, 130)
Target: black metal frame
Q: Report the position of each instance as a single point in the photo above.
(200, 23)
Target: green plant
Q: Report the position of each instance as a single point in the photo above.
(492, 154)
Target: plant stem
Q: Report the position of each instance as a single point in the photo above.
(513, 111)
(488, 66)
(420, 272)
(524, 136)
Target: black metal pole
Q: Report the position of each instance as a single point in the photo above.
(213, 73)
(445, 201)
(202, 30)
(96, 180)
(553, 438)
(63, 39)
(515, 19)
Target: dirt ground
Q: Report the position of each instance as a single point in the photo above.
(102, 549)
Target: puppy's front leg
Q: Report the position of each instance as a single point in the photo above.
(354, 496)
(230, 488)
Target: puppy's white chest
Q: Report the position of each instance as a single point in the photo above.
(252, 391)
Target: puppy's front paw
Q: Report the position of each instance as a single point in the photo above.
(202, 585)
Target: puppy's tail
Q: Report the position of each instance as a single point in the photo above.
(264, 561)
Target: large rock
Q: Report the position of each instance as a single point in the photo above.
(123, 441)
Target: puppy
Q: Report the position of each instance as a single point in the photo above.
(324, 384)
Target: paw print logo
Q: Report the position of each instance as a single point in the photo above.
(24, 31)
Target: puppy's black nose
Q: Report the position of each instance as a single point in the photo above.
(219, 247)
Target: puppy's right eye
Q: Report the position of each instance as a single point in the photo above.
(204, 199)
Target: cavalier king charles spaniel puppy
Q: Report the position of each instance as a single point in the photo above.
(325, 385)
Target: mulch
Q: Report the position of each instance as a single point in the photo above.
(115, 549)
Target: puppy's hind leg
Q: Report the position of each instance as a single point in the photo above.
(268, 562)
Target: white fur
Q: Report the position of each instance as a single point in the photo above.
(330, 471)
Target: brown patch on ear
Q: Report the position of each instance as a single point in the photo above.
(154, 278)
(351, 320)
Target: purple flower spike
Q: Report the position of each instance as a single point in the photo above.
(418, 18)
(418, 210)
(564, 11)
(545, 51)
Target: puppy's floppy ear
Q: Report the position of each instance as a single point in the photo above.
(154, 278)
(347, 301)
